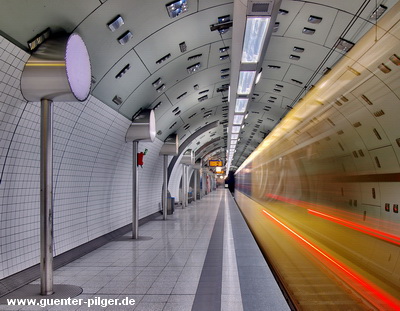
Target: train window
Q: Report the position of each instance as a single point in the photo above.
(355, 154)
(395, 208)
(373, 193)
(387, 207)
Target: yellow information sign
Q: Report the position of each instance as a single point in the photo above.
(215, 163)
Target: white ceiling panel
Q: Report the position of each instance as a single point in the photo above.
(167, 40)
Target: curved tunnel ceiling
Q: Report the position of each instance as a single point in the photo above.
(188, 102)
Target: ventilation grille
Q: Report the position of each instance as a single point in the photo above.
(259, 7)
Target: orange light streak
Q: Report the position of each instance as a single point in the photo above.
(370, 292)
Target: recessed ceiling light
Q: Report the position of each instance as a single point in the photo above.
(274, 67)
(308, 31)
(298, 49)
(157, 83)
(161, 88)
(123, 71)
(314, 19)
(223, 49)
(193, 68)
(176, 7)
(125, 37)
(344, 45)
(116, 23)
(294, 57)
(163, 59)
(223, 57)
(378, 12)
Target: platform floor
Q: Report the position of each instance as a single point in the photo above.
(202, 258)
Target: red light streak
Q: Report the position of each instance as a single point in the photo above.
(376, 233)
(370, 292)
(368, 230)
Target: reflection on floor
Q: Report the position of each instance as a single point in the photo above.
(202, 257)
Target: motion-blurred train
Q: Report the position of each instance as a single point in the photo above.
(321, 193)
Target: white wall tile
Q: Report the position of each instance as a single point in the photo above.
(92, 170)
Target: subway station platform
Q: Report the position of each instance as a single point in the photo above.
(203, 257)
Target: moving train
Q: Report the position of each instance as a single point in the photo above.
(321, 193)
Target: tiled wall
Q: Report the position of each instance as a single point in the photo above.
(92, 170)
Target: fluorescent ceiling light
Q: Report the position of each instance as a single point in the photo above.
(238, 119)
(246, 80)
(241, 104)
(175, 8)
(234, 136)
(256, 29)
(236, 129)
(125, 37)
(116, 23)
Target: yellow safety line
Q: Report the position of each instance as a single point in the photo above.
(45, 65)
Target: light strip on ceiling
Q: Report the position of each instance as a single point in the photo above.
(256, 29)
(246, 82)
(235, 129)
(251, 35)
(241, 105)
(234, 136)
(238, 119)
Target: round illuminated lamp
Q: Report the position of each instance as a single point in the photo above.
(143, 127)
(78, 67)
(59, 70)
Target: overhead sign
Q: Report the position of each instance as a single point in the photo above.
(215, 163)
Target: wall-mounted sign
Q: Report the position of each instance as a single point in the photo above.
(215, 163)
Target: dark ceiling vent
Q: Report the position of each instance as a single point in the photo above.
(203, 98)
(223, 88)
(194, 57)
(163, 59)
(223, 25)
(117, 100)
(180, 96)
(123, 71)
(260, 7)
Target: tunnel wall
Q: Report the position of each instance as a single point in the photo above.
(92, 170)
